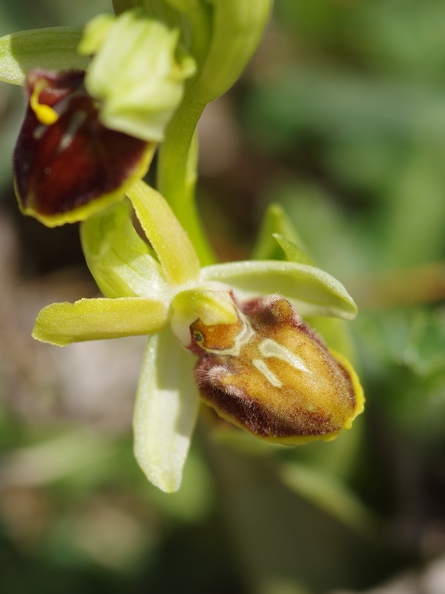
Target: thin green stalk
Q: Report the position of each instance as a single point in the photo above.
(176, 174)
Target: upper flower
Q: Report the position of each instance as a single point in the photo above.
(259, 365)
(88, 135)
(66, 163)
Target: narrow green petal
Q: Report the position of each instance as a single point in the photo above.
(171, 243)
(51, 49)
(95, 319)
(165, 412)
(313, 291)
(118, 258)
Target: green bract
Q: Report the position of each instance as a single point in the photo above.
(162, 293)
(221, 35)
(237, 28)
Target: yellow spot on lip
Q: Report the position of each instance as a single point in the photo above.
(44, 113)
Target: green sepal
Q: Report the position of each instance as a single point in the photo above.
(61, 324)
(53, 48)
(312, 291)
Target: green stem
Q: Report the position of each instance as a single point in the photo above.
(176, 174)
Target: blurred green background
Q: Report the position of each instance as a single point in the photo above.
(340, 118)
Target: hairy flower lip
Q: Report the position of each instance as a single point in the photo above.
(283, 384)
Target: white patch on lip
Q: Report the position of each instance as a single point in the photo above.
(268, 374)
(270, 348)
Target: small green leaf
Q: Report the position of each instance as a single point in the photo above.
(53, 48)
(96, 319)
(313, 291)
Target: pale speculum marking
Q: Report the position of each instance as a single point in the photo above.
(268, 373)
(271, 348)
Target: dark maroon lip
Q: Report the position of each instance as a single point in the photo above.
(63, 166)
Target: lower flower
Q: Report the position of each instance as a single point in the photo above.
(217, 333)
(275, 377)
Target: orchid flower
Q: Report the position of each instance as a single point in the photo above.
(229, 333)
